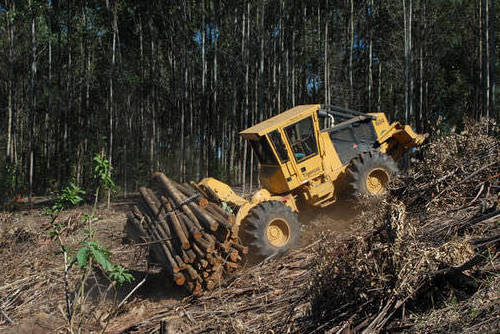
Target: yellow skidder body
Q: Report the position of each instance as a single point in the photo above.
(306, 155)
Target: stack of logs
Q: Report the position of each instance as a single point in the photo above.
(194, 239)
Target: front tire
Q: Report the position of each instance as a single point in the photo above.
(371, 173)
(270, 228)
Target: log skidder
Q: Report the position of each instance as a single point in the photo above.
(305, 155)
(371, 172)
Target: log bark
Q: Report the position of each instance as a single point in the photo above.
(199, 253)
(176, 228)
(240, 248)
(150, 209)
(176, 196)
(160, 249)
(180, 220)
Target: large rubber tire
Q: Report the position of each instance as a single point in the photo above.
(371, 172)
(270, 228)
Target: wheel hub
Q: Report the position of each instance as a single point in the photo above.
(377, 181)
(278, 232)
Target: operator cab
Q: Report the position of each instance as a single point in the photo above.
(286, 147)
(290, 152)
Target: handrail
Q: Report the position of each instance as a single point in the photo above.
(344, 112)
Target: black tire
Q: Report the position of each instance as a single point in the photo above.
(256, 228)
(370, 173)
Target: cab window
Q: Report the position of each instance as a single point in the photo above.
(302, 139)
(279, 146)
(263, 151)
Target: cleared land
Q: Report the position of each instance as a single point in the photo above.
(425, 260)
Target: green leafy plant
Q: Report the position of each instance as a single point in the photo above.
(70, 196)
(92, 251)
(102, 173)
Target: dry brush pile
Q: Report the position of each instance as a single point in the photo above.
(434, 242)
(431, 245)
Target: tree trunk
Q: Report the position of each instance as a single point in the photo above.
(33, 99)
(111, 97)
(261, 60)
(351, 50)
(49, 102)
(280, 56)
(326, 66)
(69, 94)
(215, 79)
(423, 26)
(492, 58)
(379, 95)
(203, 135)
(152, 98)
(183, 105)
(480, 99)
(370, 57)
(408, 13)
(247, 69)
(487, 61)
(10, 84)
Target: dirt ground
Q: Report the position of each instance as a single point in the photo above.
(32, 293)
(32, 276)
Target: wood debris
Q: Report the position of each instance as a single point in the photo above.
(431, 242)
(195, 240)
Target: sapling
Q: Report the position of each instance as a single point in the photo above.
(91, 254)
(102, 174)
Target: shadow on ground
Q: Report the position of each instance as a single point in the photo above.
(157, 286)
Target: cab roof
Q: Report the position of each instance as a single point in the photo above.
(279, 120)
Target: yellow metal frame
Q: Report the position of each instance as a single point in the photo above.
(314, 177)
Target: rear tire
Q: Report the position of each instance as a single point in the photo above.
(371, 173)
(270, 228)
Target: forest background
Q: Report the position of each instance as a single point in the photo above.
(167, 85)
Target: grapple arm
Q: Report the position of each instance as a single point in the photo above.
(223, 192)
(398, 139)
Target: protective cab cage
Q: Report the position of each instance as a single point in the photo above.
(351, 132)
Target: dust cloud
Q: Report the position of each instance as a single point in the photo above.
(338, 218)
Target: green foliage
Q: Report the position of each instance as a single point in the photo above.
(102, 171)
(70, 196)
(121, 275)
(453, 302)
(92, 252)
(473, 312)
(82, 257)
